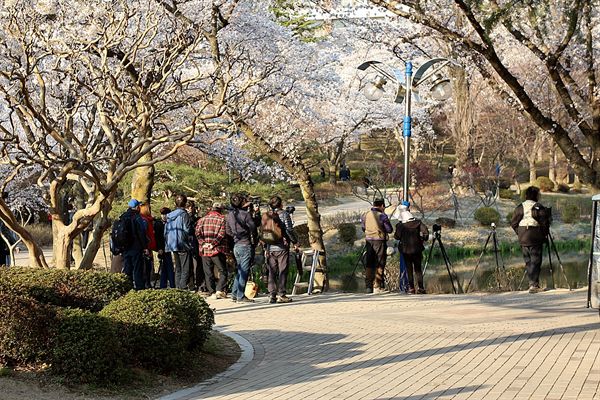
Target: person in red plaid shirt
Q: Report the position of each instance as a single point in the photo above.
(212, 244)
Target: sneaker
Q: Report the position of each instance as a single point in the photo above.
(245, 300)
(411, 291)
(234, 299)
(272, 300)
(421, 291)
(369, 290)
(212, 296)
(220, 295)
(283, 299)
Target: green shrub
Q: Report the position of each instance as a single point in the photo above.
(89, 290)
(347, 232)
(506, 194)
(25, 330)
(302, 233)
(509, 216)
(446, 222)
(86, 348)
(504, 183)
(570, 213)
(563, 188)
(158, 327)
(544, 183)
(487, 215)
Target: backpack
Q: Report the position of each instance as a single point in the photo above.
(270, 228)
(411, 240)
(121, 235)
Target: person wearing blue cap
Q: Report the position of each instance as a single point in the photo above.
(129, 239)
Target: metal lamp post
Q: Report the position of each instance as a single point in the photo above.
(440, 89)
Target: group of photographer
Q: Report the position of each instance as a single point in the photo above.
(530, 221)
(193, 252)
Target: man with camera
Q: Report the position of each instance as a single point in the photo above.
(531, 222)
(376, 225)
(277, 233)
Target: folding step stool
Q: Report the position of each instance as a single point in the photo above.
(310, 262)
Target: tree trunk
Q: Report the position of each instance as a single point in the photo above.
(36, 255)
(61, 245)
(333, 173)
(143, 181)
(315, 232)
(532, 169)
(552, 164)
(77, 245)
(95, 241)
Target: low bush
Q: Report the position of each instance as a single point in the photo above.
(347, 232)
(544, 183)
(42, 232)
(487, 215)
(509, 216)
(563, 188)
(570, 214)
(86, 348)
(89, 290)
(506, 194)
(158, 327)
(302, 233)
(504, 183)
(25, 330)
(577, 187)
(446, 222)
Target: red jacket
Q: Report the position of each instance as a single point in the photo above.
(150, 232)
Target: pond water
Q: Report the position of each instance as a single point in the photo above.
(486, 278)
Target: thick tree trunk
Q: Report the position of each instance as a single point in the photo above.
(532, 169)
(333, 173)
(61, 245)
(315, 232)
(143, 181)
(552, 164)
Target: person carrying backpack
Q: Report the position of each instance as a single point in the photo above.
(128, 238)
(167, 273)
(411, 233)
(277, 233)
(530, 223)
(178, 241)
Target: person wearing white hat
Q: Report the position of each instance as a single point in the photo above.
(411, 233)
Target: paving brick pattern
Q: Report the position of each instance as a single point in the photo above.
(351, 346)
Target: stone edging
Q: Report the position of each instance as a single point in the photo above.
(248, 354)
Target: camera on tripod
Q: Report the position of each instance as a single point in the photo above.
(290, 209)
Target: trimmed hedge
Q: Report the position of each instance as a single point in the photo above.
(86, 348)
(544, 183)
(159, 327)
(90, 290)
(347, 232)
(25, 330)
(487, 215)
(506, 194)
(570, 214)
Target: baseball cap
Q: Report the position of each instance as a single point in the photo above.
(133, 203)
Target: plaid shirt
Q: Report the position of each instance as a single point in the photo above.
(210, 229)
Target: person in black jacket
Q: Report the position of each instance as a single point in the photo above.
(167, 272)
(532, 235)
(411, 233)
(133, 254)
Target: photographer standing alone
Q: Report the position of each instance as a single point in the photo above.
(531, 222)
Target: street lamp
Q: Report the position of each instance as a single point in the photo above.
(440, 89)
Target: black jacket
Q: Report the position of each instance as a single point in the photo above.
(411, 235)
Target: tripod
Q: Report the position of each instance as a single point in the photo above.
(551, 246)
(437, 237)
(402, 272)
(493, 236)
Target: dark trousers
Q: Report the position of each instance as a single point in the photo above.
(148, 271)
(278, 262)
(199, 274)
(533, 263)
(182, 268)
(376, 259)
(209, 263)
(413, 262)
(167, 272)
(133, 267)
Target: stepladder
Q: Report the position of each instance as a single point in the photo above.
(309, 263)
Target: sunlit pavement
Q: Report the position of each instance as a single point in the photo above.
(391, 346)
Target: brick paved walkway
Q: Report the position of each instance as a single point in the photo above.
(350, 346)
